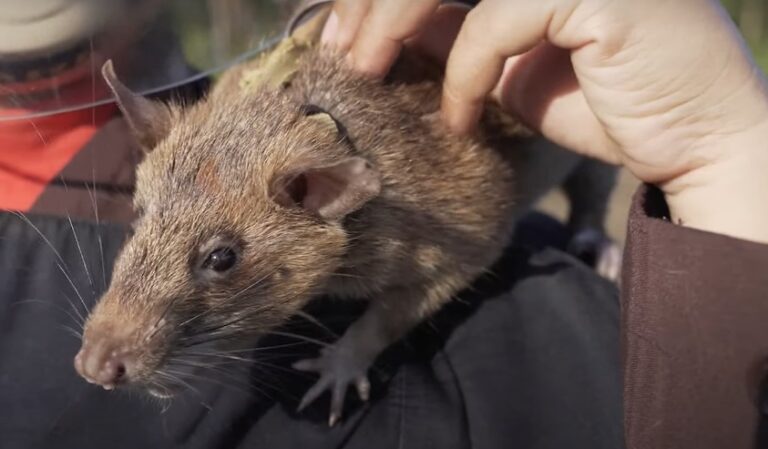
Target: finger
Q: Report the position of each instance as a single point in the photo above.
(313, 393)
(337, 402)
(381, 35)
(493, 31)
(333, 419)
(570, 122)
(438, 34)
(363, 388)
(344, 22)
(541, 88)
(330, 30)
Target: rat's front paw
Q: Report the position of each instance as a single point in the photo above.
(597, 250)
(339, 367)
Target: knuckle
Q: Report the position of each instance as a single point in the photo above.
(454, 92)
(345, 8)
(474, 29)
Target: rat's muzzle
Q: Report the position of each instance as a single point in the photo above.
(106, 363)
(118, 351)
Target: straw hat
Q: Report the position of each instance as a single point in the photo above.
(31, 29)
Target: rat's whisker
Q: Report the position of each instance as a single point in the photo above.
(231, 298)
(208, 339)
(349, 275)
(213, 327)
(95, 206)
(77, 242)
(72, 331)
(179, 378)
(77, 319)
(257, 349)
(80, 251)
(93, 80)
(300, 337)
(60, 263)
(233, 382)
(317, 322)
(13, 97)
(156, 326)
(272, 366)
(175, 378)
(81, 317)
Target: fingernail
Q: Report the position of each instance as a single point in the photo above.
(330, 30)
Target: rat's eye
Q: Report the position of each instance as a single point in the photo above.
(215, 258)
(220, 259)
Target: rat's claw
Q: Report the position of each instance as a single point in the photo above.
(609, 262)
(333, 419)
(338, 389)
(337, 402)
(363, 388)
(596, 249)
(338, 371)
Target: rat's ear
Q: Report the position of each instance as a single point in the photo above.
(149, 120)
(331, 191)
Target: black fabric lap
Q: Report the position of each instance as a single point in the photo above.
(527, 358)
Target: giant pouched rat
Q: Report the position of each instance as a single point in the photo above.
(294, 179)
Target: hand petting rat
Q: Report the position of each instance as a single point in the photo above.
(620, 81)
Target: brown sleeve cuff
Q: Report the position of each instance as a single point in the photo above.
(695, 333)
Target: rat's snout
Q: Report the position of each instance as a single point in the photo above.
(105, 361)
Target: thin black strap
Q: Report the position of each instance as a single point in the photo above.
(311, 6)
(307, 8)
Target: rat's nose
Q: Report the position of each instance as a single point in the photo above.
(103, 364)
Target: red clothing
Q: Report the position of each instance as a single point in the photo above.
(33, 151)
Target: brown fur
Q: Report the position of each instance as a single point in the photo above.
(442, 217)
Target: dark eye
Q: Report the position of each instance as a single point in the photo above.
(220, 259)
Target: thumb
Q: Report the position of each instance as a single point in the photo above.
(541, 88)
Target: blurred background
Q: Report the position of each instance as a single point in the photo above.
(752, 18)
(239, 27)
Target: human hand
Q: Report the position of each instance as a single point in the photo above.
(666, 88)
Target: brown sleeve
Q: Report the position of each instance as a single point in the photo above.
(695, 334)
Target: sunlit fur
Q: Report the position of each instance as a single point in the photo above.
(442, 217)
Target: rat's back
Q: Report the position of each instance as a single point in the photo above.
(445, 200)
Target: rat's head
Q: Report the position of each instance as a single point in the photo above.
(240, 208)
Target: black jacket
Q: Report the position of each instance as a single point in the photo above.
(529, 358)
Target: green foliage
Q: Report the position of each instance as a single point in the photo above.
(242, 23)
(215, 32)
(752, 18)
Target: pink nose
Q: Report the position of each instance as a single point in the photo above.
(103, 364)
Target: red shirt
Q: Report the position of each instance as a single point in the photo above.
(34, 150)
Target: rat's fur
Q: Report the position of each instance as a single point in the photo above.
(442, 216)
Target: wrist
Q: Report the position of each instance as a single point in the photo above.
(729, 195)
